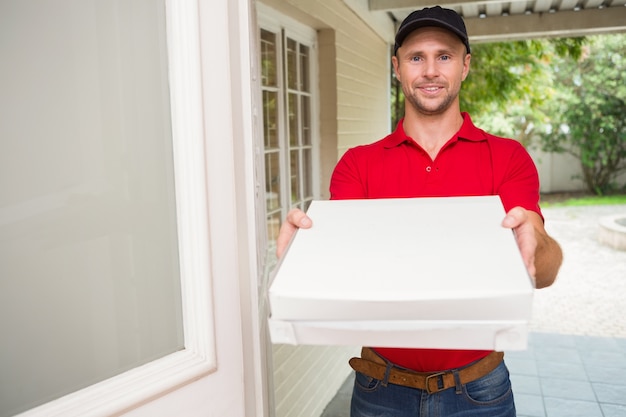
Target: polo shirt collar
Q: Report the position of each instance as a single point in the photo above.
(467, 132)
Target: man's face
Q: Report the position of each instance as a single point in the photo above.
(431, 64)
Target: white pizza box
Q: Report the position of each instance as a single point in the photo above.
(427, 266)
(505, 335)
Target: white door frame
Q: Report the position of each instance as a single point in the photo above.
(221, 370)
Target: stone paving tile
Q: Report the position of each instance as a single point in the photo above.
(521, 366)
(563, 355)
(606, 344)
(604, 373)
(529, 405)
(598, 357)
(550, 369)
(611, 393)
(558, 407)
(567, 389)
(525, 384)
(612, 410)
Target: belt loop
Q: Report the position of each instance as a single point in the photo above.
(385, 380)
(457, 382)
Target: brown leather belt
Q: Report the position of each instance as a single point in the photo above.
(374, 366)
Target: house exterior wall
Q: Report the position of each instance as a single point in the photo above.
(362, 64)
(354, 65)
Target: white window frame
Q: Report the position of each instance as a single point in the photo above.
(277, 22)
(198, 358)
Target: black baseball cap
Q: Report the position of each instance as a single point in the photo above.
(432, 16)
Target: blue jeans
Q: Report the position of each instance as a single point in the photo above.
(489, 396)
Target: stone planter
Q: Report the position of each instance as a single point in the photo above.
(613, 231)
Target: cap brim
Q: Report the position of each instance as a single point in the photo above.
(427, 22)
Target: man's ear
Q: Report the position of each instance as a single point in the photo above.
(466, 65)
(395, 63)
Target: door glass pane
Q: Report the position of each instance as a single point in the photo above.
(293, 119)
(292, 62)
(307, 172)
(90, 280)
(295, 176)
(272, 181)
(273, 226)
(304, 68)
(270, 119)
(268, 58)
(287, 127)
(306, 120)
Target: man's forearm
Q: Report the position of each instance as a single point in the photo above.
(548, 259)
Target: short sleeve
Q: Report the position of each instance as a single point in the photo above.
(519, 185)
(348, 179)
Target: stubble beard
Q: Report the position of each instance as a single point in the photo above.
(423, 106)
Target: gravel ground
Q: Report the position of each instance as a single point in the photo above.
(589, 296)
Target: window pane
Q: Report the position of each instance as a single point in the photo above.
(272, 181)
(307, 171)
(287, 126)
(273, 226)
(304, 68)
(292, 68)
(268, 58)
(295, 175)
(89, 256)
(270, 119)
(293, 120)
(306, 120)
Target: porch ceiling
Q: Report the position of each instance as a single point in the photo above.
(496, 20)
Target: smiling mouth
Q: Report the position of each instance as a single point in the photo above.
(430, 90)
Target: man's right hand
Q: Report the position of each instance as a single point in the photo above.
(296, 219)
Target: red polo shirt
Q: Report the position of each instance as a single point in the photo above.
(472, 162)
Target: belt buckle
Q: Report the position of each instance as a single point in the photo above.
(436, 375)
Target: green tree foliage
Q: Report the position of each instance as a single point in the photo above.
(501, 73)
(510, 81)
(586, 114)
